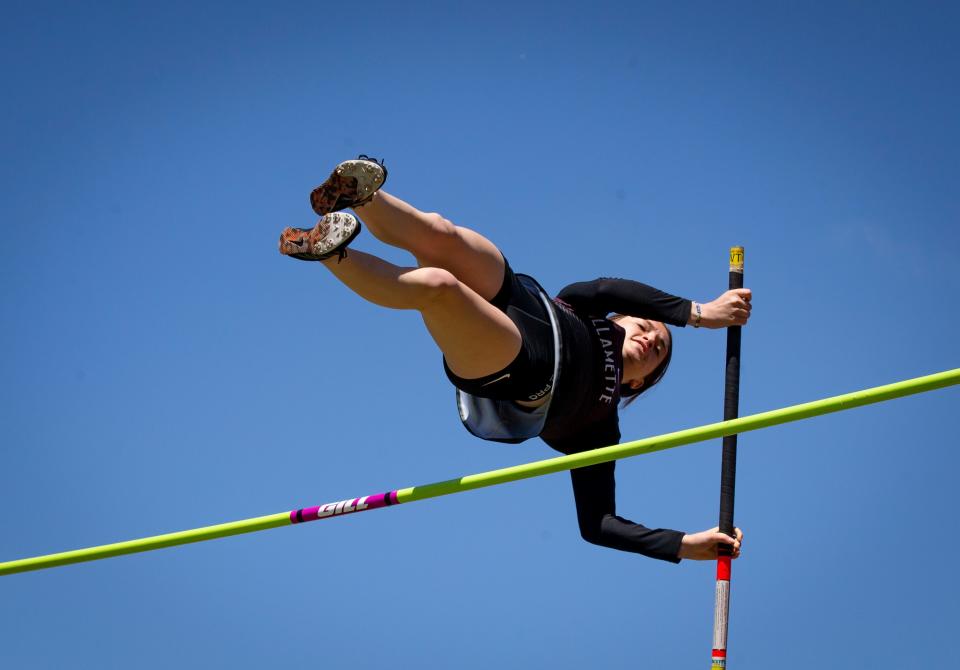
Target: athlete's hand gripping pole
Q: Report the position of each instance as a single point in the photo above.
(728, 475)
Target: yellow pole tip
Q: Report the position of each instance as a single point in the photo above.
(736, 259)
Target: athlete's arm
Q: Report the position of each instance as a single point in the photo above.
(594, 490)
(625, 296)
(595, 495)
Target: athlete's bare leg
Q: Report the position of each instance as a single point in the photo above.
(476, 338)
(436, 242)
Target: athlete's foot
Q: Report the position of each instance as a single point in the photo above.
(351, 184)
(328, 238)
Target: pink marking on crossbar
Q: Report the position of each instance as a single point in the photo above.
(342, 507)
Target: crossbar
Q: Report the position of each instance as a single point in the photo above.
(494, 477)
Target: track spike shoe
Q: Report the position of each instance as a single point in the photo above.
(328, 238)
(351, 184)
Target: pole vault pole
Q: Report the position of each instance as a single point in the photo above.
(728, 475)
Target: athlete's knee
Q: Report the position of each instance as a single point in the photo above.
(445, 240)
(434, 285)
(440, 224)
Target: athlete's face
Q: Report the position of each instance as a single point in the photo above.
(645, 345)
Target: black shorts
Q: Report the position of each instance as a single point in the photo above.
(530, 375)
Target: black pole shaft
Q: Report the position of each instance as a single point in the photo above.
(731, 409)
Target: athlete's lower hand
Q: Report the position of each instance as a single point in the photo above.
(730, 309)
(703, 546)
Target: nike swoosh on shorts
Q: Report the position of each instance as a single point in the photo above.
(498, 379)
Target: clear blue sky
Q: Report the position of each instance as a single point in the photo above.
(164, 368)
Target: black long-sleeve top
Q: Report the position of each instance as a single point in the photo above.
(583, 412)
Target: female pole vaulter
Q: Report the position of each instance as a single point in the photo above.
(523, 365)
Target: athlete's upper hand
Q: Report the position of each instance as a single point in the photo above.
(703, 546)
(730, 309)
